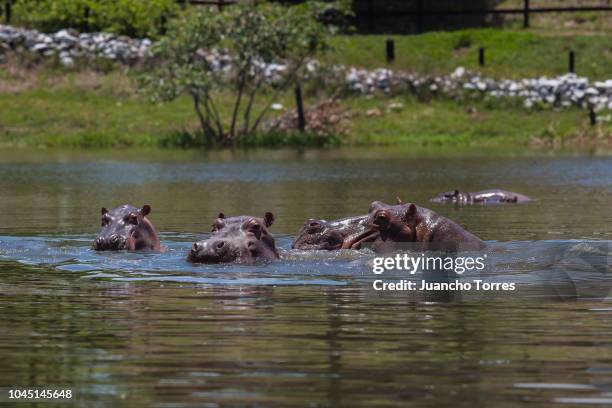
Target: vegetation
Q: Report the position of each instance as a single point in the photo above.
(140, 18)
(85, 109)
(508, 53)
(251, 35)
(47, 105)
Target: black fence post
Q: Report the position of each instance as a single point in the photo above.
(592, 116)
(370, 16)
(481, 56)
(220, 5)
(526, 14)
(162, 24)
(300, 108)
(419, 16)
(572, 62)
(8, 12)
(390, 50)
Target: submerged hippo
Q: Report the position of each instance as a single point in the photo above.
(391, 224)
(128, 228)
(329, 235)
(242, 239)
(481, 197)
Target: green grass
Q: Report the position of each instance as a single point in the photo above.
(51, 107)
(443, 122)
(69, 116)
(73, 117)
(508, 53)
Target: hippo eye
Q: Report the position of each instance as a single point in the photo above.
(105, 220)
(254, 228)
(217, 225)
(132, 219)
(314, 226)
(381, 217)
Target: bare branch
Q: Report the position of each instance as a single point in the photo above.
(283, 87)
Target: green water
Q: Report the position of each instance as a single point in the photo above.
(152, 330)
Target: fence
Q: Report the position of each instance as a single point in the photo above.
(372, 12)
(419, 13)
(219, 3)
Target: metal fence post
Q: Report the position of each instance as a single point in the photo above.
(526, 14)
(572, 61)
(300, 108)
(419, 16)
(370, 16)
(8, 12)
(481, 56)
(390, 50)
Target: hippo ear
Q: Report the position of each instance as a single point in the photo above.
(456, 193)
(104, 210)
(145, 210)
(269, 219)
(411, 212)
(221, 215)
(399, 200)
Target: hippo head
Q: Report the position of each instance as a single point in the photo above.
(451, 197)
(241, 239)
(384, 222)
(328, 235)
(126, 227)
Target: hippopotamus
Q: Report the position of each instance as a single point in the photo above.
(388, 225)
(329, 235)
(126, 228)
(241, 239)
(481, 197)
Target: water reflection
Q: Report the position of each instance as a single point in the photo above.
(149, 329)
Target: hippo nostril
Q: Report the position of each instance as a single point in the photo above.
(220, 244)
(98, 243)
(314, 224)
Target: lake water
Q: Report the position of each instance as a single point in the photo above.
(150, 329)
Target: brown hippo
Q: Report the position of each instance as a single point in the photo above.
(128, 228)
(402, 223)
(481, 197)
(242, 239)
(329, 235)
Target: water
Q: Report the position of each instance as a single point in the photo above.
(150, 329)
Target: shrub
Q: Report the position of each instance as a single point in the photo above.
(137, 18)
(204, 54)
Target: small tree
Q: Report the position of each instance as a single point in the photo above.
(205, 54)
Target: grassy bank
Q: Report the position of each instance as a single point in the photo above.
(84, 110)
(42, 106)
(508, 53)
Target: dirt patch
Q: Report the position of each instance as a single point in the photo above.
(323, 119)
(18, 75)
